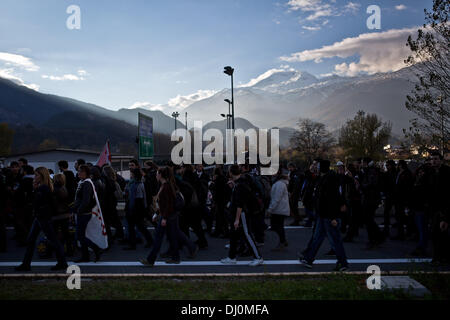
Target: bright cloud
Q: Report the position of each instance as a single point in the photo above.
(82, 72)
(377, 51)
(320, 10)
(184, 101)
(9, 74)
(18, 61)
(352, 7)
(266, 75)
(66, 77)
(175, 104)
(311, 28)
(400, 7)
(147, 105)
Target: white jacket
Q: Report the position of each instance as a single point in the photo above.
(279, 198)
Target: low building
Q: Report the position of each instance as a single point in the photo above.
(49, 158)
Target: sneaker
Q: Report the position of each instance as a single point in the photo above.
(227, 246)
(256, 262)
(172, 261)
(259, 244)
(227, 260)
(340, 268)
(146, 263)
(306, 263)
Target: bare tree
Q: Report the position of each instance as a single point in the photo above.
(430, 58)
(312, 139)
(365, 136)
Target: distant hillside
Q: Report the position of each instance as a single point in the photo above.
(48, 119)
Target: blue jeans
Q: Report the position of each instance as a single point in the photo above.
(422, 225)
(324, 229)
(159, 237)
(45, 226)
(82, 222)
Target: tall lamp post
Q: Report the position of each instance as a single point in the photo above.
(175, 115)
(229, 71)
(229, 113)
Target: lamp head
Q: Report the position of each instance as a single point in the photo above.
(228, 70)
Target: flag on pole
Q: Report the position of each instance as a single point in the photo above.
(105, 156)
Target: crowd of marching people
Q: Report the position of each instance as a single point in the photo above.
(230, 202)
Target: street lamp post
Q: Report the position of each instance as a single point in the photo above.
(229, 114)
(230, 71)
(175, 115)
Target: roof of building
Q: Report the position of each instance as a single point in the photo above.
(67, 150)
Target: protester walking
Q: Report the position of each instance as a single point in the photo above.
(239, 205)
(84, 203)
(136, 205)
(170, 203)
(62, 218)
(43, 210)
(328, 208)
(279, 208)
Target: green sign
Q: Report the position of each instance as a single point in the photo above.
(145, 129)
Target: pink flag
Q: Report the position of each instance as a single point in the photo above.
(105, 156)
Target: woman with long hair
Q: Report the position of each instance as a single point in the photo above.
(43, 210)
(170, 203)
(62, 217)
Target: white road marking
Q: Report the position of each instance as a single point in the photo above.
(216, 263)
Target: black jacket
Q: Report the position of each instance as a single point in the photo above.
(43, 203)
(327, 198)
(440, 201)
(84, 198)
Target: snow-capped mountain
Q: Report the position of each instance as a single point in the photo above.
(280, 98)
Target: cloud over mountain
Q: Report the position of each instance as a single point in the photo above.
(377, 51)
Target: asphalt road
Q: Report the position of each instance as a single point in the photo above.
(391, 256)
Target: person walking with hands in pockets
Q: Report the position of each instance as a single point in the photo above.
(241, 195)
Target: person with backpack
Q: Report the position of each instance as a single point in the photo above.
(43, 210)
(135, 208)
(239, 211)
(170, 202)
(256, 212)
(279, 208)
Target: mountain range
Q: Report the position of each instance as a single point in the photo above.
(284, 96)
(278, 99)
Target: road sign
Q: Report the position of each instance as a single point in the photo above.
(145, 133)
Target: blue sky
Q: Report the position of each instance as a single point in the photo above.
(142, 52)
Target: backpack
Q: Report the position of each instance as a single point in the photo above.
(253, 203)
